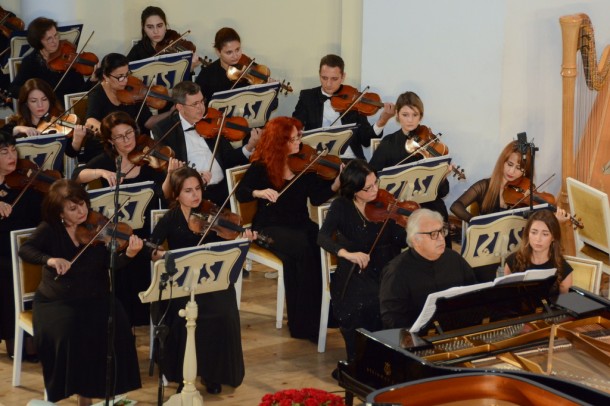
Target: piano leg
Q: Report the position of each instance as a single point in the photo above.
(349, 398)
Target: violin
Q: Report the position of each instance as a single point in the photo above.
(428, 145)
(9, 22)
(89, 232)
(65, 125)
(234, 128)
(135, 91)
(255, 75)
(344, 99)
(26, 170)
(151, 153)
(227, 224)
(517, 194)
(174, 43)
(385, 205)
(65, 55)
(327, 167)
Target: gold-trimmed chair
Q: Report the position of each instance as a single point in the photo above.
(256, 253)
(586, 273)
(329, 265)
(26, 278)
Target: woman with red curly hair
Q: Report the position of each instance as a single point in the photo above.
(284, 217)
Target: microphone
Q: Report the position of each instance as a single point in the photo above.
(523, 145)
(170, 264)
(119, 161)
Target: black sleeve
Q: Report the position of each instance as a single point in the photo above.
(252, 180)
(379, 158)
(326, 234)
(34, 248)
(300, 110)
(394, 296)
(474, 193)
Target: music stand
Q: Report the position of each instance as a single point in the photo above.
(198, 270)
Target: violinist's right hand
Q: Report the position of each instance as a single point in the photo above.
(109, 176)
(206, 176)
(359, 258)
(61, 265)
(28, 131)
(268, 194)
(5, 209)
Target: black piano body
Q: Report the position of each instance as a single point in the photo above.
(504, 330)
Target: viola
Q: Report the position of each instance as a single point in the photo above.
(9, 22)
(65, 56)
(149, 152)
(65, 125)
(173, 42)
(28, 173)
(327, 167)
(385, 205)
(517, 194)
(348, 98)
(135, 91)
(89, 232)
(256, 74)
(234, 128)
(227, 224)
(427, 144)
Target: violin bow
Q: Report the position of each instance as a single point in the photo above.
(222, 206)
(321, 154)
(222, 123)
(30, 181)
(70, 108)
(535, 190)
(98, 233)
(153, 80)
(381, 230)
(155, 145)
(243, 73)
(5, 50)
(426, 145)
(73, 61)
(171, 44)
(352, 104)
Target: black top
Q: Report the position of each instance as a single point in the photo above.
(213, 78)
(564, 272)
(475, 193)
(87, 277)
(99, 106)
(310, 109)
(25, 214)
(34, 66)
(409, 278)
(290, 210)
(141, 50)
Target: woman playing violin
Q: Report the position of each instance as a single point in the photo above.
(25, 214)
(44, 38)
(154, 29)
(37, 106)
(540, 248)
(350, 235)
(282, 215)
(118, 133)
(213, 78)
(218, 335)
(71, 302)
(392, 150)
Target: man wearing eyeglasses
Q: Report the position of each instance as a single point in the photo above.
(426, 267)
(196, 150)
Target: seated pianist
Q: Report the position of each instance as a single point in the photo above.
(426, 267)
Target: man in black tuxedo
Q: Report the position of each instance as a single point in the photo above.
(314, 109)
(190, 147)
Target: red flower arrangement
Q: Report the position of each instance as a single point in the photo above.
(302, 397)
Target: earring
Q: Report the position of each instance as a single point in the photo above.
(63, 221)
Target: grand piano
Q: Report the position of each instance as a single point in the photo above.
(514, 330)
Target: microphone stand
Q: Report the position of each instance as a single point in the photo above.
(110, 367)
(524, 146)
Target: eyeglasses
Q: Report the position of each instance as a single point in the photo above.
(196, 104)
(434, 234)
(124, 137)
(54, 37)
(296, 139)
(370, 187)
(121, 78)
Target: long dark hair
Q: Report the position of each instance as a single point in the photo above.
(24, 115)
(149, 12)
(177, 179)
(353, 177)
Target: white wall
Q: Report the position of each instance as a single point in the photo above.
(486, 70)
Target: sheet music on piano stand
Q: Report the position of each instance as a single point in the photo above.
(193, 271)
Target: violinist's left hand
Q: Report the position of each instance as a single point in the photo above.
(389, 111)
(5, 209)
(337, 183)
(78, 135)
(250, 235)
(195, 62)
(135, 245)
(255, 136)
(562, 215)
(450, 168)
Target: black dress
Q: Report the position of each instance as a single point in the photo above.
(217, 336)
(25, 214)
(70, 319)
(128, 284)
(359, 306)
(391, 151)
(287, 222)
(213, 78)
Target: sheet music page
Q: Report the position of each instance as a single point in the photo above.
(430, 305)
(538, 274)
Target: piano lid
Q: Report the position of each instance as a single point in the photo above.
(488, 305)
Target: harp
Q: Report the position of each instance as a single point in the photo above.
(585, 106)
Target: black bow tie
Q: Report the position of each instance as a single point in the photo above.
(189, 129)
(324, 97)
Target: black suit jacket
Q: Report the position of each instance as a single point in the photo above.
(310, 108)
